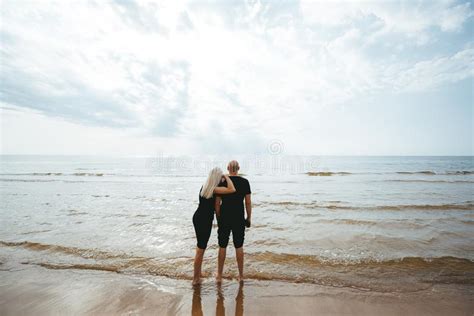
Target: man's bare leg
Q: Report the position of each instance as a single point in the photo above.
(239, 254)
(197, 265)
(220, 264)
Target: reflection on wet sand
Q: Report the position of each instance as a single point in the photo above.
(220, 307)
(197, 304)
(239, 301)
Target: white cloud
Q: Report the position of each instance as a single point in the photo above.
(429, 74)
(396, 16)
(213, 74)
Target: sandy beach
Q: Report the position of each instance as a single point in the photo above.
(33, 290)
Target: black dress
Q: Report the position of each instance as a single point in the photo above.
(202, 220)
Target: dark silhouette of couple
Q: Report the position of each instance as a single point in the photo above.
(222, 195)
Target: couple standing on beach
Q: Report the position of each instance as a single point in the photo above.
(223, 195)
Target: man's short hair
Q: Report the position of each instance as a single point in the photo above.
(233, 166)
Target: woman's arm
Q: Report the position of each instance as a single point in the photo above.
(217, 206)
(229, 189)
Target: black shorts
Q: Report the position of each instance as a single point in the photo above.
(236, 226)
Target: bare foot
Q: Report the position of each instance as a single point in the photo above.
(196, 281)
(219, 278)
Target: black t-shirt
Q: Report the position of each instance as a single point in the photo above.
(233, 204)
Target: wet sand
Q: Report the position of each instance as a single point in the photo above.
(34, 290)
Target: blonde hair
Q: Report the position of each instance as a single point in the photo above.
(211, 183)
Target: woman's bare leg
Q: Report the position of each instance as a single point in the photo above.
(197, 265)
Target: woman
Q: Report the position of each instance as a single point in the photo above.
(204, 215)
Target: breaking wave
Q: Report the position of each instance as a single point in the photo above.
(294, 268)
(468, 205)
(423, 172)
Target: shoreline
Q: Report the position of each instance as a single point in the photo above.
(34, 290)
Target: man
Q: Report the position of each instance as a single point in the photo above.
(231, 218)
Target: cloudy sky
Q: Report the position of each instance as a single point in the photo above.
(141, 77)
